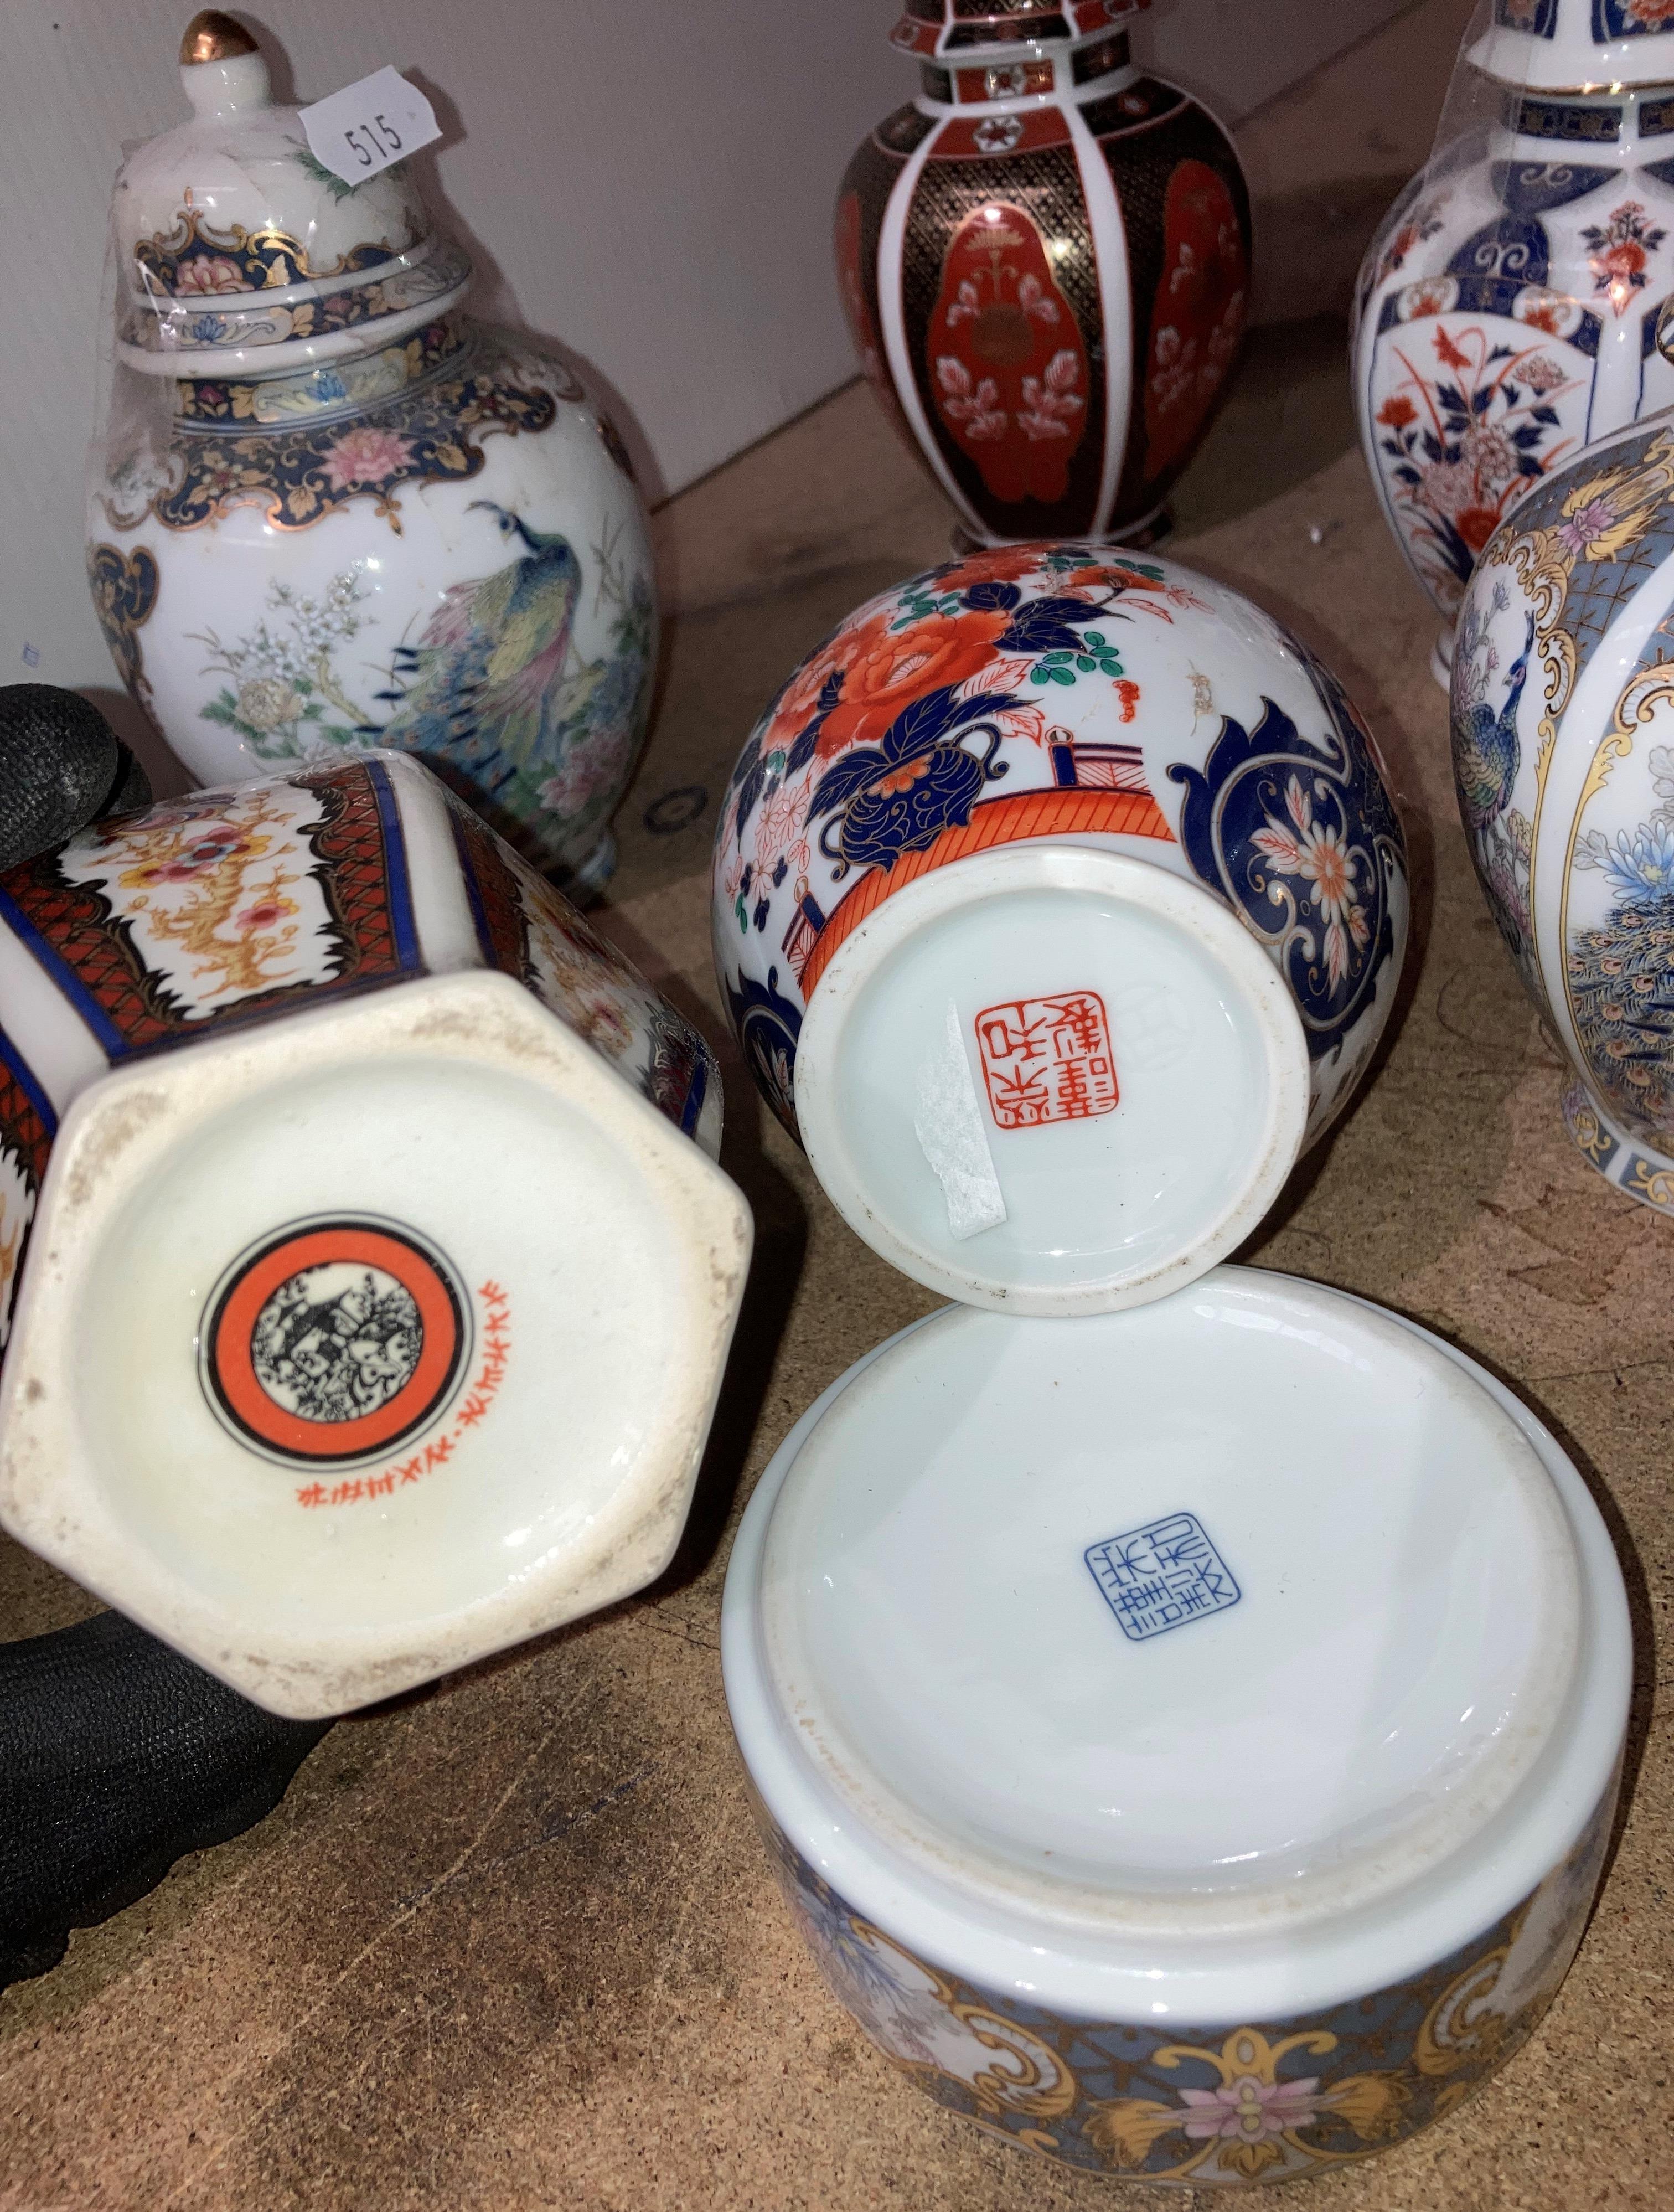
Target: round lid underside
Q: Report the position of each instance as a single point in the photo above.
(1053, 1081)
(1250, 1604)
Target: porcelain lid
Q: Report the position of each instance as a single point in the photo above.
(1576, 46)
(970, 28)
(237, 250)
(1225, 1656)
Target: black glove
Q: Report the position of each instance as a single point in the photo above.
(115, 1754)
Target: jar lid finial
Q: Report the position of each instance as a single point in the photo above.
(213, 37)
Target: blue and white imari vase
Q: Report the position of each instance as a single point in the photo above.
(1563, 760)
(328, 511)
(1059, 901)
(1513, 305)
(366, 1275)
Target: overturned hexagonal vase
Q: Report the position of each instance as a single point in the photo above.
(366, 1275)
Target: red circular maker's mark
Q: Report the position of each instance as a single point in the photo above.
(231, 1361)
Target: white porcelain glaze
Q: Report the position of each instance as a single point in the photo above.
(1512, 307)
(1568, 46)
(328, 512)
(1564, 757)
(1131, 840)
(366, 1276)
(1109, 1684)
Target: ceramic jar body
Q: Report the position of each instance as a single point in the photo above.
(1188, 2104)
(1075, 1876)
(1045, 262)
(1563, 755)
(286, 1123)
(1511, 311)
(1050, 693)
(329, 512)
(459, 568)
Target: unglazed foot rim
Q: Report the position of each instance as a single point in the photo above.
(1637, 1172)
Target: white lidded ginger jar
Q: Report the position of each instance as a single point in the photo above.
(329, 512)
(1516, 302)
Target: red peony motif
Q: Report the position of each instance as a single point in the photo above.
(1397, 412)
(1475, 526)
(894, 669)
(211, 273)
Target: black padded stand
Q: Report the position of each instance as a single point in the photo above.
(115, 1754)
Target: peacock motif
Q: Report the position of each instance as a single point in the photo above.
(1488, 754)
(1486, 751)
(495, 698)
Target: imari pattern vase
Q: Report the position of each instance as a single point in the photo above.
(328, 511)
(1515, 304)
(366, 1275)
(1045, 260)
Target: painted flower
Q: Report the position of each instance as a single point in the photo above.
(1448, 353)
(1542, 315)
(265, 914)
(365, 455)
(937, 652)
(1397, 411)
(974, 406)
(1248, 2110)
(1004, 564)
(1541, 375)
(266, 703)
(1641, 872)
(1315, 853)
(208, 273)
(1654, 15)
(1578, 531)
(1620, 250)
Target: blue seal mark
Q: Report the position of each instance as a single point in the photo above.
(1162, 1576)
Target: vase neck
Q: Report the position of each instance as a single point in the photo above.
(1064, 72)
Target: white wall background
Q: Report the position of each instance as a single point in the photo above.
(650, 181)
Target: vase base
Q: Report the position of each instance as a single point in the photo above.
(583, 882)
(1137, 537)
(1634, 1170)
(1441, 659)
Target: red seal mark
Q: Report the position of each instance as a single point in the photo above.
(1048, 1060)
(334, 1339)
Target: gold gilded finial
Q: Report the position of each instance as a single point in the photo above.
(213, 37)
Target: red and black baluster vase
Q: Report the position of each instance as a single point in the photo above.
(1045, 259)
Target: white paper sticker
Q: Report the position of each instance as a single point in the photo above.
(365, 127)
(948, 1123)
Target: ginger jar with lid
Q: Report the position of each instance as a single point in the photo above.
(1516, 302)
(329, 511)
(1045, 262)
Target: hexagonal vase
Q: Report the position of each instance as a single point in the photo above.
(366, 1277)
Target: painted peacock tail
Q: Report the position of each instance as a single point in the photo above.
(489, 687)
(1486, 751)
